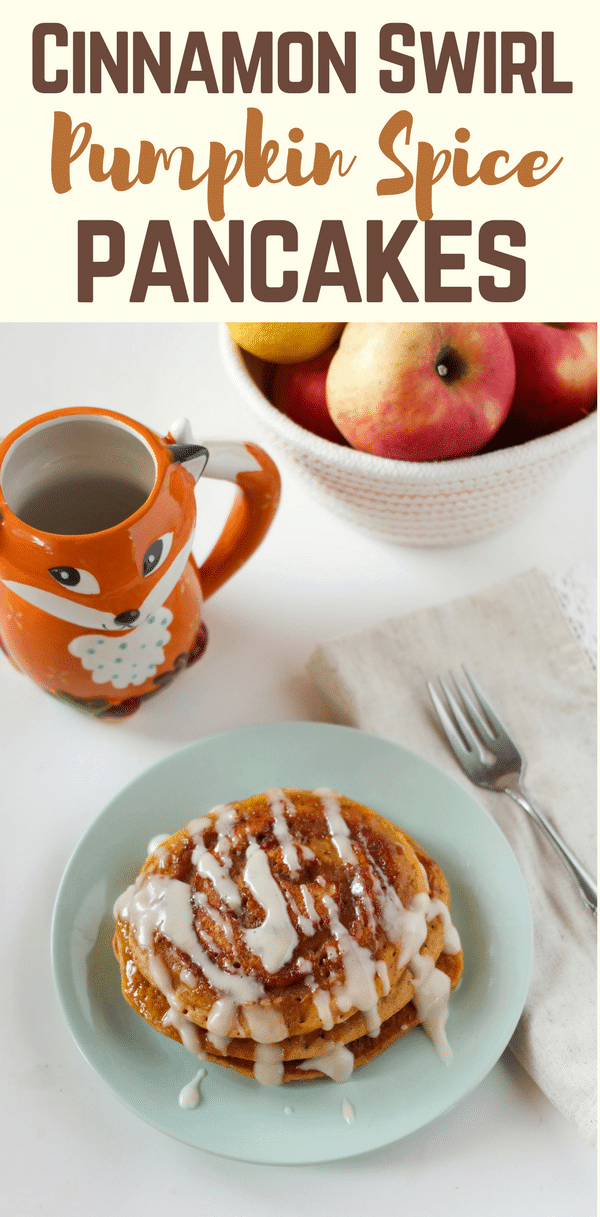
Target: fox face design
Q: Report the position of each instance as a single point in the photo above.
(82, 582)
(101, 612)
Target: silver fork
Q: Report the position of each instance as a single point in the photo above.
(469, 732)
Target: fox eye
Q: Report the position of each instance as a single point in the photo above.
(156, 554)
(80, 581)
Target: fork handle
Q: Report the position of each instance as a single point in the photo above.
(587, 888)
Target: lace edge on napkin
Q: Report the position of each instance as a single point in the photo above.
(575, 591)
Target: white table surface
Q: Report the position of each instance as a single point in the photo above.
(69, 1146)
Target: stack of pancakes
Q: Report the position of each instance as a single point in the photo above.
(289, 935)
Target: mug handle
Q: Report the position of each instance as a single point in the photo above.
(257, 479)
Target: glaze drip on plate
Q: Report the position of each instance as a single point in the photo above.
(291, 935)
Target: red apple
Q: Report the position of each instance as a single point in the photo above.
(298, 390)
(556, 373)
(421, 391)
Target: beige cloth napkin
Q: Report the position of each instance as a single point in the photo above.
(516, 641)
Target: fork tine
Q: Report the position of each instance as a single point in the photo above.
(496, 724)
(457, 743)
(471, 739)
(475, 716)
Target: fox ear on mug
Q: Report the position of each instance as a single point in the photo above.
(195, 455)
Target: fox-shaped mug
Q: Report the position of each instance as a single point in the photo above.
(100, 595)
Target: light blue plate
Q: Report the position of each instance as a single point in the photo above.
(394, 1094)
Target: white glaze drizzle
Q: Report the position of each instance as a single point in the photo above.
(220, 1042)
(432, 989)
(384, 976)
(339, 831)
(195, 828)
(305, 924)
(309, 905)
(322, 1002)
(274, 940)
(268, 1064)
(357, 889)
(373, 1018)
(165, 905)
(223, 849)
(348, 1112)
(437, 908)
(201, 901)
(278, 805)
(189, 1097)
(266, 1026)
(337, 1063)
(221, 1016)
(207, 865)
(156, 841)
(132, 906)
(172, 1017)
(358, 987)
(412, 927)
(225, 818)
(303, 965)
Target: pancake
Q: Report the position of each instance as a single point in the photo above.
(285, 929)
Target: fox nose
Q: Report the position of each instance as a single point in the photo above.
(129, 617)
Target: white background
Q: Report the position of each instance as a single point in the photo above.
(68, 1147)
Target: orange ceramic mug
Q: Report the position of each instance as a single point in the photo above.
(100, 596)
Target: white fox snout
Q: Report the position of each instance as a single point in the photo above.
(100, 620)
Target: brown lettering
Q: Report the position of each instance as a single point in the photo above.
(258, 261)
(436, 261)
(196, 44)
(144, 57)
(406, 62)
(328, 57)
(262, 56)
(449, 53)
(332, 237)
(382, 261)
(88, 268)
(208, 252)
(515, 288)
(158, 236)
(305, 42)
(47, 29)
(100, 57)
(524, 69)
(549, 84)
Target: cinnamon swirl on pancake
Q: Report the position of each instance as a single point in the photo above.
(289, 935)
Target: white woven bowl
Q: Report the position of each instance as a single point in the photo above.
(412, 502)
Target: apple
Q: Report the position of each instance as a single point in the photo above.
(421, 391)
(556, 373)
(298, 390)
